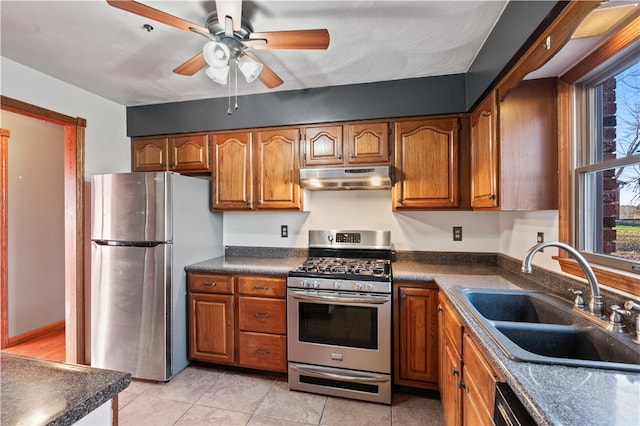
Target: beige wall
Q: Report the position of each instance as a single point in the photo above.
(36, 223)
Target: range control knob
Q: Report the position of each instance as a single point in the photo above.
(316, 284)
(357, 286)
(305, 283)
(336, 285)
(369, 287)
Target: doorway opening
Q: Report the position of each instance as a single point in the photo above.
(74, 293)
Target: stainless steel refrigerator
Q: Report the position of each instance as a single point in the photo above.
(145, 228)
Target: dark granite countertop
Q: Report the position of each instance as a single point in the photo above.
(45, 392)
(553, 394)
(247, 265)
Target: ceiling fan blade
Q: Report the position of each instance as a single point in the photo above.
(295, 39)
(267, 76)
(191, 66)
(232, 9)
(155, 14)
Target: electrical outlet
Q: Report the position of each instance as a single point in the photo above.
(457, 233)
(540, 239)
(284, 231)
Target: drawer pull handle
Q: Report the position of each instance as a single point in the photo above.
(259, 315)
(263, 351)
(211, 284)
(261, 287)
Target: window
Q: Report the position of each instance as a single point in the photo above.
(607, 173)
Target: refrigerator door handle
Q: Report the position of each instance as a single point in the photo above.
(128, 243)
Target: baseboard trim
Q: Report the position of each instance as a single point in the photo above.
(35, 333)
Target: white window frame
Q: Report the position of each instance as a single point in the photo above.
(586, 137)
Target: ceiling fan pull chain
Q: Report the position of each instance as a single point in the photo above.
(229, 100)
(236, 67)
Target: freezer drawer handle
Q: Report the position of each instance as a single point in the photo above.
(259, 315)
(210, 284)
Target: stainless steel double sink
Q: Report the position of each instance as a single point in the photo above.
(535, 326)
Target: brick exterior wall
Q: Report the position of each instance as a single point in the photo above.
(610, 196)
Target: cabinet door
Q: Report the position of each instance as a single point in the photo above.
(277, 169)
(479, 385)
(231, 177)
(149, 154)
(484, 154)
(323, 146)
(367, 143)
(427, 164)
(450, 376)
(450, 390)
(417, 334)
(211, 325)
(189, 153)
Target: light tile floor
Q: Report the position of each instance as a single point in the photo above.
(202, 395)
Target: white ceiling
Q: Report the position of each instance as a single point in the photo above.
(106, 51)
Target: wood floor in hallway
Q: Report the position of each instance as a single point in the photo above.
(49, 346)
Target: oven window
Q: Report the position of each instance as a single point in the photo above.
(339, 325)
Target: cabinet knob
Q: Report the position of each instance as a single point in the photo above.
(403, 297)
(261, 287)
(351, 155)
(263, 351)
(440, 309)
(491, 196)
(339, 156)
(454, 372)
(209, 284)
(259, 315)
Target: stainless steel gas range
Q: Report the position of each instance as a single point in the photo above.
(339, 316)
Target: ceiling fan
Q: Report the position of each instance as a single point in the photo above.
(230, 36)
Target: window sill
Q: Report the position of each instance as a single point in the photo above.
(627, 282)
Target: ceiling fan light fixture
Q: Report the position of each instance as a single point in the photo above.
(217, 54)
(219, 75)
(249, 67)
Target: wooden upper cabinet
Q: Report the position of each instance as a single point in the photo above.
(367, 143)
(149, 154)
(323, 146)
(347, 144)
(231, 176)
(188, 154)
(514, 149)
(426, 164)
(277, 179)
(484, 154)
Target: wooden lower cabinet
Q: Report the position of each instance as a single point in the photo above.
(416, 335)
(467, 378)
(238, 320)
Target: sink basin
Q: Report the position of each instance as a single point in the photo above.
(518, 306)
(533, 326)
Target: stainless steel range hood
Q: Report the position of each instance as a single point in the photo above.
(337, 178)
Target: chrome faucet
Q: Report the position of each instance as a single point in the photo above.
(595, 303)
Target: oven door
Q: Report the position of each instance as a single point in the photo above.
(340, 329)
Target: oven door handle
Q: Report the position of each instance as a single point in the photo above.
(317, 372)
(341, 299)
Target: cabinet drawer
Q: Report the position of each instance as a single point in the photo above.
(262, 286)
(210, 283)
(263, 315)
(263, 351)
(452, 328)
